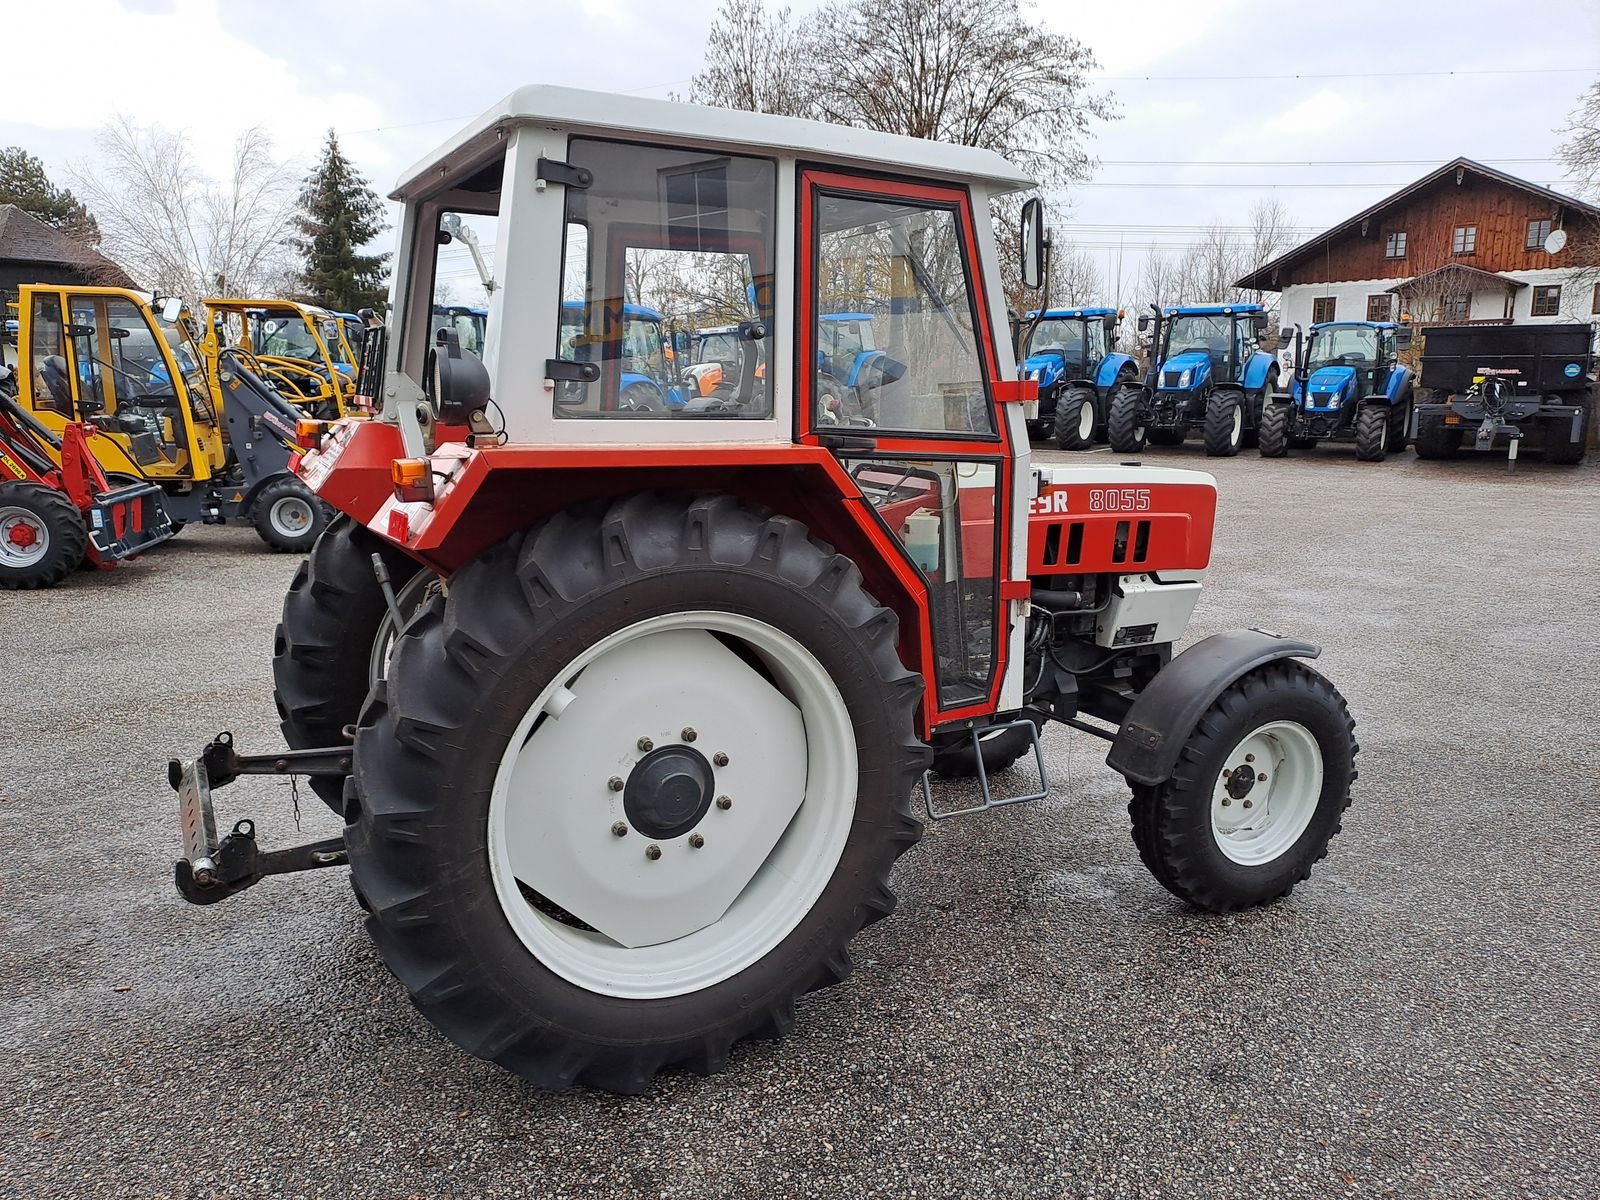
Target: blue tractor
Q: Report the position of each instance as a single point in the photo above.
(1070, 354)
(1347, 387)
(650, 379)
(1206, 373)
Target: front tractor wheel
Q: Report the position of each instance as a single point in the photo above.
(42, 536)
(632, 787)
(1126, 425)
(1075, 419)
(289, 516)
(1274, 439)
(1224, 429)
(1372, 433)
(1258, 792)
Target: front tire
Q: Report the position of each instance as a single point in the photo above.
(1075, 419)
(289, 516)
(1259, 790)
(334, 619)
(1274, 439)
(42, 536)
(1224, 430)
(1126, 426)
(1372, 433)
(956, 760)
(509, 745)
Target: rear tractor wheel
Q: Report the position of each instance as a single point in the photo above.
(336, 636)
(632, 787)
(1259, 790)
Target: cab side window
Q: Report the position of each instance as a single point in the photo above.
(52, 383)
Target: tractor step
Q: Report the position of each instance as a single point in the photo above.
(213, 868)
(989, 798)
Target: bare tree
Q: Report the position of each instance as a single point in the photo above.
(1074, 276)
(756, 60)
(1271, 234)
(182, 232)
(1580, 153)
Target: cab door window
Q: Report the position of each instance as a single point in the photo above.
(904, 264)
(124, 377)
(52, 378)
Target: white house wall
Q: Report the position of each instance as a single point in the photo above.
(1488, 302)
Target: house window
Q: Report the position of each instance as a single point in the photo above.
(1379, 307)
(1537, 232)
(1394, 245)
(1322, 309)
(1465, 240)
(1546, 301)
(1457, 307)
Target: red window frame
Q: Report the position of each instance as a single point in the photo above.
(994, 449)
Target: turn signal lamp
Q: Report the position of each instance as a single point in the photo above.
(413, 480)
(308, 434)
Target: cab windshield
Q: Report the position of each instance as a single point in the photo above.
(283, 335)
(1206, 334)
(1079, 342)
(1342, 346)
(717, 348)
(329, 328)
(469, 327)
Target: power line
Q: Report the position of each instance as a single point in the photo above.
(1301, 162)
(1268, 184)
(1313, 75)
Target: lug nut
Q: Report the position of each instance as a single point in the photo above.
(615, 783)
(1249, 803)
(645, 744)
(696, 841)
(619, 829)
(1261, 778)
(1226, 802)
(1249, 758)
(688, 733)
(724, 802)
(719, 759)
(652, 852)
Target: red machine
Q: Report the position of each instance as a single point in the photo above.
(57, 508)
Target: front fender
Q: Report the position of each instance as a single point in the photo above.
(1257, 370)
(1111, 367)
(1163, 716)
(1399, 383)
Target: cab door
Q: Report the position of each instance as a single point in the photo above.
(917, 428)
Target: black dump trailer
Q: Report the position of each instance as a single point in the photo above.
(1501, 383)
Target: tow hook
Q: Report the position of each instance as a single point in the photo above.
(213, 869)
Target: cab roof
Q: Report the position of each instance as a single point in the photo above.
(1355, 325)
(628, 310)
(1210, 310)
(1062, 314)
(636, 117)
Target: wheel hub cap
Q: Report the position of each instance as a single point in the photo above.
(1241, 781)
(669, 791)
(22, 535)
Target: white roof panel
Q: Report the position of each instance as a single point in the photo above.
(761, 133)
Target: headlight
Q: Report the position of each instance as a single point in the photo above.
(1183, 380)
(1036, 374)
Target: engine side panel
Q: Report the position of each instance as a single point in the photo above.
(1121, 521)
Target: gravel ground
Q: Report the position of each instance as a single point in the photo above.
(1039, 1019)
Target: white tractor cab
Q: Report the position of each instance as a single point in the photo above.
(625, 705)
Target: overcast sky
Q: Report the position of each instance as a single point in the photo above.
(1371, 109)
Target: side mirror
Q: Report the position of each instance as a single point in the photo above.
(1285, 334)
(1032, 237)
(172, 309)
(1402, 338)
(1144, 324)
(1258, 327)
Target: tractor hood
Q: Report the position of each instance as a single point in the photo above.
(1196, 362)
(1329, 387)
(1047, 367)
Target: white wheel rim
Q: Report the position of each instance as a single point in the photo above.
(791, 774)
(1138, 433)
(24, 538)
(1383, 433)
(1085, 422)
(409, 600)
(291, 516)
(1238, 425)
(1268, 791)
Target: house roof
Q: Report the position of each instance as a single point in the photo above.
(25, 238)
(1471, 273)
(1261, 278)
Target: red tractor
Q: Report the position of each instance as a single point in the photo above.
(625, 710)
(57, 508)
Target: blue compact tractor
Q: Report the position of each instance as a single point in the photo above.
(1348, 387)
(1069, 353)
(1205, 373)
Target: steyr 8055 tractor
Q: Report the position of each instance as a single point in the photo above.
(214, 437)
(1348, 386)
(626, 786)
(1205, 373)
(1070, 353)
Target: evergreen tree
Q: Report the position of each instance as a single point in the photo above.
(23, 182)
(339, 214)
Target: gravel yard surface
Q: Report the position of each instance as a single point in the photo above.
(1040, 1018)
